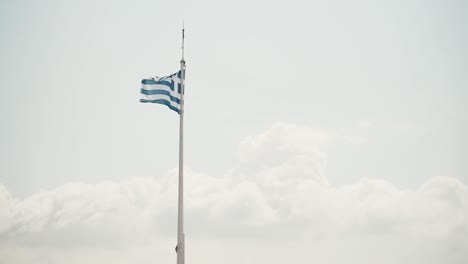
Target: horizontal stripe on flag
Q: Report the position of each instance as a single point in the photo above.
(148, 81)
(158, 86)
(165, 92)
(160, 96)
(163, 102)
(153, 82)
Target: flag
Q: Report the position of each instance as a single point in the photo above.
(164, 90)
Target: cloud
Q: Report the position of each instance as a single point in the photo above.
(278, 192)
(284, 150)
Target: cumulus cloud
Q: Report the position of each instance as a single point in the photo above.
(279, 190)
(285, 150)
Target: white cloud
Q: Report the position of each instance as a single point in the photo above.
(278, 192)
(284, 150)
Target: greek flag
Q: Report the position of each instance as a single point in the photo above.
(164, 90)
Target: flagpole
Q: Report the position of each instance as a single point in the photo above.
(180, 249)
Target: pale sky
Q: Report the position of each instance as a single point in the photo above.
(316, 131)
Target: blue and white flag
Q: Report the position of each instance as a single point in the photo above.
(164, 90)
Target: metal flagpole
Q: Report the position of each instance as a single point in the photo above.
(180, 249)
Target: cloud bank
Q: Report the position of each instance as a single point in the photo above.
(278, 197)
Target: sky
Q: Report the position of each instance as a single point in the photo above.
(315, 131)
